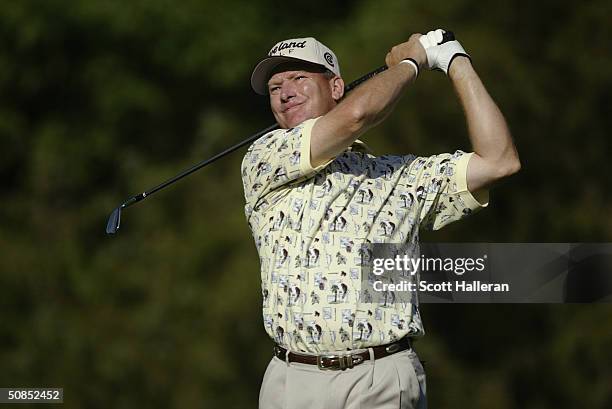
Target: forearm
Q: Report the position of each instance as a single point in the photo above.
(488, 131)
(372, 102)
(363, 108)
(368, 104)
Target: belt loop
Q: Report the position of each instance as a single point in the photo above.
(371, 351)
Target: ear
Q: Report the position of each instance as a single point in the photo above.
(337, 87)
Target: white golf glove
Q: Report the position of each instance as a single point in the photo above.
(441, 48)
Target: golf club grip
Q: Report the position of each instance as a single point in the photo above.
(366, 77)
(447, 36)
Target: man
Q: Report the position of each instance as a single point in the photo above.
(316, 200)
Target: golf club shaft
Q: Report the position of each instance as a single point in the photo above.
(114, 220)
(250, 139)
(198, 166)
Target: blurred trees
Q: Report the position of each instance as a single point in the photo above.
(103, 99)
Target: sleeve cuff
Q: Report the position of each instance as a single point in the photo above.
(305, 164)
(476, 199)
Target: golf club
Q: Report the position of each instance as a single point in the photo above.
(114, 221)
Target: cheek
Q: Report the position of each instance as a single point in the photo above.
(274, 104)
(313, 95)
(317, 106)
(321, 96)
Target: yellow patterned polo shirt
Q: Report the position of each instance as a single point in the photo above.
(311, 227)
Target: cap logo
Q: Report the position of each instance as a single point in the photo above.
(283, 46)
(328, 57)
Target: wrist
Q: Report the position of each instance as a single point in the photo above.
(411, 62)
(460, 66)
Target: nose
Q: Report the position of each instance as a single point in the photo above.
(287, 91)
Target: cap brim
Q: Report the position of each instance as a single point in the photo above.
(261, 73)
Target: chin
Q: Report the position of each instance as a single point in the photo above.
(297, 119)
(293, 124)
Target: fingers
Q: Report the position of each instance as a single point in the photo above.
(432, 38)
(415, 36)
(389, 61)
(409, 49)
(441, 48)
(434, 50)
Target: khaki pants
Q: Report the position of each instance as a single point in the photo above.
(394, 382)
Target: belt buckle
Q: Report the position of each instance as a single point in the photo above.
(393, 348)
(342, 362)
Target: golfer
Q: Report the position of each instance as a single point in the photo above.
(316, 199)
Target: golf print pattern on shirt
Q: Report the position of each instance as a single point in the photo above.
(311, 228)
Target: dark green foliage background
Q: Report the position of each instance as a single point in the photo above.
(103, 99)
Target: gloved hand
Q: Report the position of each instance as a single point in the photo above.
(441, 48)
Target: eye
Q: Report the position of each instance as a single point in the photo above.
(299, 77)
(273, 89)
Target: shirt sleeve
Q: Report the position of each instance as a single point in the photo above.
(441, 188)
(277, 159)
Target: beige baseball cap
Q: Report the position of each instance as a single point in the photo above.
(296, 49)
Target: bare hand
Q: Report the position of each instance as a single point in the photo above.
(410, 49)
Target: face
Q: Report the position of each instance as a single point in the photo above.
(298, 93)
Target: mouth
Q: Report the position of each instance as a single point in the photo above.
(292, 108)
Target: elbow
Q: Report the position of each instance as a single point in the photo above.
(356, 119)
(509, 167)
(359, 112)
(513, 166)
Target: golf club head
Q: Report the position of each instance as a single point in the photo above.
(113, 221)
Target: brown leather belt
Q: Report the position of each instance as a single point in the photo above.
(342, 360)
